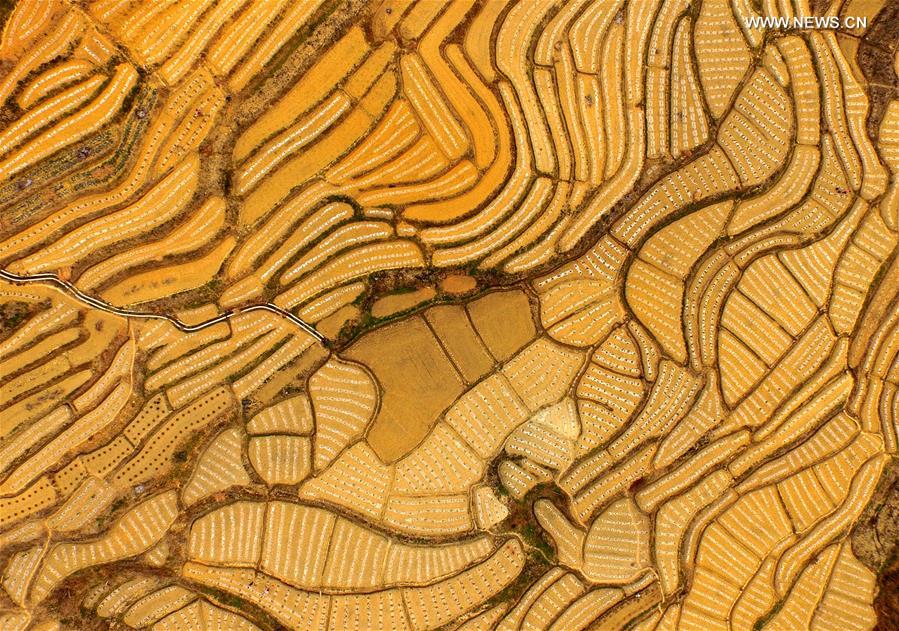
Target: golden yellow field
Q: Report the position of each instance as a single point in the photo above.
(465, 314)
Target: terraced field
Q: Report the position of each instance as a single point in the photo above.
(413, 314)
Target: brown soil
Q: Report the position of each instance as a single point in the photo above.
(875, 541)
(417, 379)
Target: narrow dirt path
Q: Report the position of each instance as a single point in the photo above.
(96, 303)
